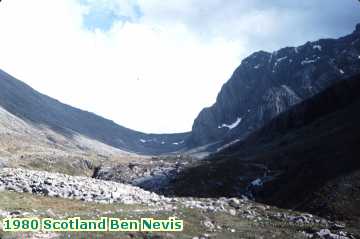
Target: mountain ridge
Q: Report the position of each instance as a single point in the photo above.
(23, 101)
(266, 84)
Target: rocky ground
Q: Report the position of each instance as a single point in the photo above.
(28, 193)
(74, 187)
(153, 174)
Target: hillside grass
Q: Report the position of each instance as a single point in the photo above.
(193, 219)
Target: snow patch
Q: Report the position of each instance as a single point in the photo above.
(143, 141)
(231, 126)
(178, 143)
(278, 61)
(257, 183)
(341, 72)
(307, 61)
(272, 56)
(257, 66)
(317, 47)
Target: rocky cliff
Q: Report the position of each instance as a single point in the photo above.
(305, 158)
(266, 84)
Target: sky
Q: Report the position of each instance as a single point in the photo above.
(152, 65)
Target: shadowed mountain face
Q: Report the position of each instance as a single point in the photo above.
(24, 102)
(266, 84)
(306, 158)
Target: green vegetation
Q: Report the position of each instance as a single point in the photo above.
(225, 225)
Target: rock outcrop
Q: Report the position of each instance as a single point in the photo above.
(266, 84)
(305, 158)
(153, 176)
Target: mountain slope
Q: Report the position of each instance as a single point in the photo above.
(24, 102)
(306, 158)
(28, 145)
(266, 84)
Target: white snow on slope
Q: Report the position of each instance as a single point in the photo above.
(231, 126)
(317, 47)
(177, 143)
(278, 61)
(257, 183)
(307, 61)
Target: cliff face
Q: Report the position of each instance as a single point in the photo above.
(266, 84)
(305, 158)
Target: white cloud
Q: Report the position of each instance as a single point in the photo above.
(140, 75)
(154, 73)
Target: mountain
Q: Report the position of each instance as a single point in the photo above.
(263, 86)
(267, 84)
(23, 102)
(305, 158)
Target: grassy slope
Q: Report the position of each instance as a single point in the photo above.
(245, 228)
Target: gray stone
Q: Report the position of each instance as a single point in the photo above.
(232, 212)
(83, 188)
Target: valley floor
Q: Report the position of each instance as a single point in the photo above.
(203, 218)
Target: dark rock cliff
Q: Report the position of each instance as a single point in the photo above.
(306, 158)
(266, 84)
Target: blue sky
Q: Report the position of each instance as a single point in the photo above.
(102, 16)
(102, 19)
(152, 65)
